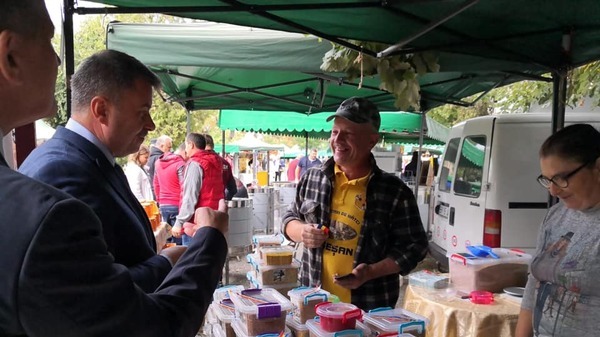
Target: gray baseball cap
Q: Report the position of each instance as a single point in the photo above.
(358, 110)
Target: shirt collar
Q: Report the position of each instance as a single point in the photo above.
(341, 174)
(85, 133)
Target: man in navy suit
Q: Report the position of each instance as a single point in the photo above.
(111, 100)
(58, 276)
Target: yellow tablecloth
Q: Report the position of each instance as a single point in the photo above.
(451, 316)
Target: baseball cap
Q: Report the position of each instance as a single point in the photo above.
(358, 110)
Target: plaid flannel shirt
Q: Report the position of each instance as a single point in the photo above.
(391, 228)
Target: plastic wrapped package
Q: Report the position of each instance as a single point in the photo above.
(469, 272)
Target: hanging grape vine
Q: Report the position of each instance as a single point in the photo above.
(399, 74)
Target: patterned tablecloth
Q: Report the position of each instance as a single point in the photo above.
(451, 316)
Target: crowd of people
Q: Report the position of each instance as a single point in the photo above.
(80, 258)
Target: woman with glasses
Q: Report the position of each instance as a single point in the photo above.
(562, 297)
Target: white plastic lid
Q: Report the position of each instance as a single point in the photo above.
(273, 239)
(396, 320)
(240, 331)
(223, 292)
(335, 310)
(305, 294)
(225, 310)
(262, 302)
(315, 329)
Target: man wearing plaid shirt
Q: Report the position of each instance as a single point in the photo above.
(360, 226)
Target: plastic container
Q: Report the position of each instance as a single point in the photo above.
(304, 300)
(337, 316)
(469, 273)
(238, 327)
(283, 289)
(316, 330)
(481, 297)
(297, 329)
(224, 311)
(217, 331)
(272, 275)
(261, 310)
(428, 279)
(399, 321)
(270, 240)
(276, 256)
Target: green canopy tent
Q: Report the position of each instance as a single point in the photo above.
(396, 127)
(541, 35)
(217, 66)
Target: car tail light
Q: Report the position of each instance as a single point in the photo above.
(492, 228)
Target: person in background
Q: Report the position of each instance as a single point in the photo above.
(112, 96)
(291, 171)
(168, 180)
(305, 163)
(181, 152)
(562, 297)
(58, 277)
(242, 192)
(228, 179)
(354, 219)
(410, 170)
(136, 174)
(163, 145)
(202, 183)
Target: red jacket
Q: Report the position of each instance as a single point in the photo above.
(168, 176)
(212, 179)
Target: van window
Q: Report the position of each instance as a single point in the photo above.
(469, 171)
(447, 172)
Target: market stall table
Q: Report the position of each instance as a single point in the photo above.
(451, 316)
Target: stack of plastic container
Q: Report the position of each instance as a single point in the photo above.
(223, 309)
(334, 319)
(273, 267)
(259, 312)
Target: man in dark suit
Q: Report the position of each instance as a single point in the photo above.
(58, 277)
(111, 100)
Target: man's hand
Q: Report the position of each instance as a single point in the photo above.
(361, 274)
(206, 217)
(313, 237)
(173, 253)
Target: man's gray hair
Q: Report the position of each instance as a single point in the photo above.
(162, 140)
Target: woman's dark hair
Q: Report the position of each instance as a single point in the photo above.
(577, 142)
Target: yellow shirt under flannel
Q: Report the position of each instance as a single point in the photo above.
(347, 213)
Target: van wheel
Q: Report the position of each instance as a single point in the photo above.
(441, 268)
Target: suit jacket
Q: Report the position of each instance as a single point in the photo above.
(58, 278)
(74, 165)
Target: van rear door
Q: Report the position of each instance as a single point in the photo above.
(441, 198)
(469, 188)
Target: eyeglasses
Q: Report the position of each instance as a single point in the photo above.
(560, 180)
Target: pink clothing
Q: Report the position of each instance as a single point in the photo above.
(291, 172)
(168, 179)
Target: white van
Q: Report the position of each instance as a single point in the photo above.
(486, 190)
